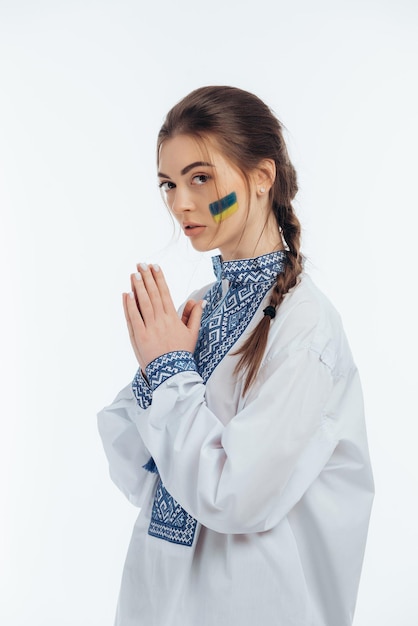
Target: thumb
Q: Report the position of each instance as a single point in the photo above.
(188, 307)
(193, 323)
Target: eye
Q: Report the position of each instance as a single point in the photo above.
(201, 179)
(166, 185)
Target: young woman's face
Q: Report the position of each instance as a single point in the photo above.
(209, 198)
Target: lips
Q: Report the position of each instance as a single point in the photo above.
(190, 229)
(189, 225)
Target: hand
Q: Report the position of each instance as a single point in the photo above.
(153, 324)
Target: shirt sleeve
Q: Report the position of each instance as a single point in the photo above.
(245, 476)
(126, 452)
(130, 462)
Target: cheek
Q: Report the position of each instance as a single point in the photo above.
(224, 208)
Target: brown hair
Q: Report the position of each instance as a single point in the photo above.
(246, 131)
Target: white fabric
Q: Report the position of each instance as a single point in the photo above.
(279, 481)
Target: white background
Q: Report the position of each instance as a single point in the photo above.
(84, 86)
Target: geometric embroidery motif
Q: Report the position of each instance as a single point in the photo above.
(167, 365)
(142, 391)
(169, 520)
(224, 319)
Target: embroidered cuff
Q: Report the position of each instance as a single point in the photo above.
(141, 390)
(167, 365)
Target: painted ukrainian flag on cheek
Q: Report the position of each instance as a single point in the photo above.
(223, 208)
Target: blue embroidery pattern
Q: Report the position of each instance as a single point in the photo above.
(225, 326)
(142, 391)
(169, 520)
(150, 466)
(168, 365)
(223, 321)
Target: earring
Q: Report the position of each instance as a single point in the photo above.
(262, 189)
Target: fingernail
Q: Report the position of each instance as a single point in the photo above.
(138, 276)
(204, 304)
(131, 295)
(143, 266)
(156, 267)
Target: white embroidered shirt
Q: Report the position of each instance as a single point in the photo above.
(255, 507)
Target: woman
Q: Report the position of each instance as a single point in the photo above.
(242, 435)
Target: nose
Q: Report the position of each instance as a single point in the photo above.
(182, 201)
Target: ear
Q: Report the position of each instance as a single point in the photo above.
(264, 176)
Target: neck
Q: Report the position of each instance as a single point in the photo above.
(268, 240)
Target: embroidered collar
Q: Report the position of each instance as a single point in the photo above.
(262, 269)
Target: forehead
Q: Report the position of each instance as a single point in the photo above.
(179, 151)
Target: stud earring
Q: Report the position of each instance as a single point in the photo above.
(262, 190)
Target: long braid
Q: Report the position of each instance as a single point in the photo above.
(253, 349)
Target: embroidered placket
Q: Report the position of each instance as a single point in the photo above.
(224, 319)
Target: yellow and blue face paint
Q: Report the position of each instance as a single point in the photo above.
(223, 208)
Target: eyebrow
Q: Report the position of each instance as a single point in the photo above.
(187, 169)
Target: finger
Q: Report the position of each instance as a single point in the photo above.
(142, 298)
(195, 317)
(125, 310)
(188, 307)
(125, 297)
(165, 295)
(151, 287)
(133, 316)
